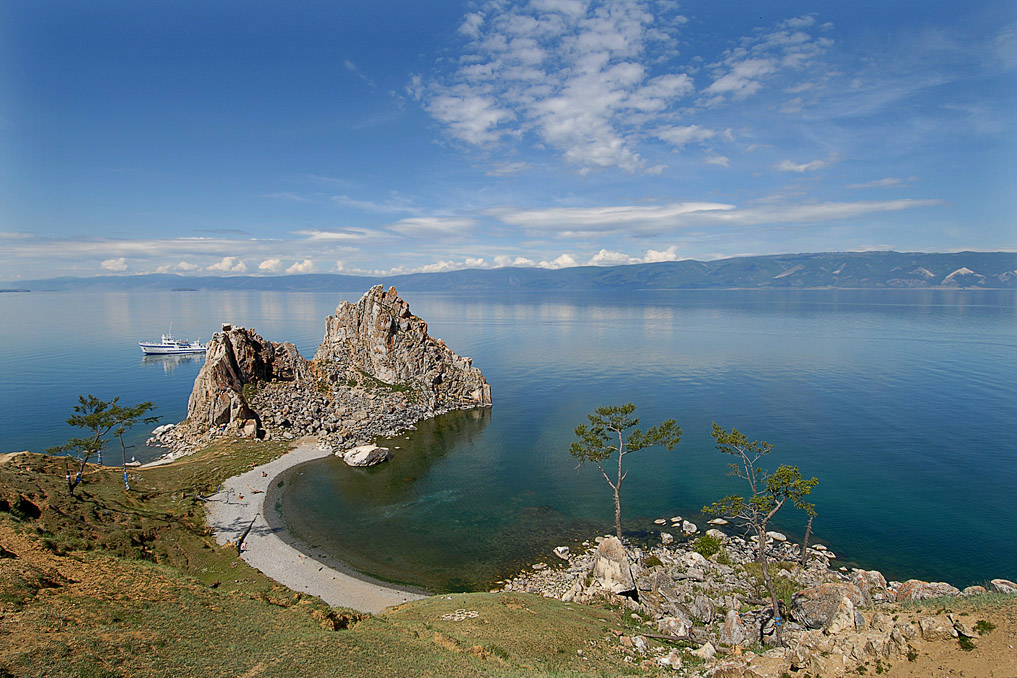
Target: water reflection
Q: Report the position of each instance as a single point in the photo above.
(169, 363)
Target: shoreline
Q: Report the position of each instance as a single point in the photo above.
(266, 550)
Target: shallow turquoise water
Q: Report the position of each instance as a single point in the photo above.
(903, 403)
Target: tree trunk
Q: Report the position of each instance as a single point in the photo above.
(617, 513)
(805, 542)
(768, 582)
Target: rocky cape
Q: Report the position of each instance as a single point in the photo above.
(838, 621)
(376, 373)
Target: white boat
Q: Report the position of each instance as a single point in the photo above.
(170, 346)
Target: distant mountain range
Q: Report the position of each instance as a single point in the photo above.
(990, 270)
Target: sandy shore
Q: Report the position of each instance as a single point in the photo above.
(230, 516)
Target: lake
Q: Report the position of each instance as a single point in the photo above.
(903, 404)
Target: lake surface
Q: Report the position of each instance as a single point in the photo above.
(902, 403)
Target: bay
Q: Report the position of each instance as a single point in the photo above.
(903, 404)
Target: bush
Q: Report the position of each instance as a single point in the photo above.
(706, 545)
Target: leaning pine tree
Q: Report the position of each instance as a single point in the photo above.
(608, 433)
(769, 493)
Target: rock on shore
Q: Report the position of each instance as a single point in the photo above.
(376, 372)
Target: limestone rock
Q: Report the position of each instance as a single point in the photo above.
(707, 651)
(733, 632)
(916, 589)
(815, 607)
(611, 568)
(562, 552)
(716, 534)
(379, 337)
(843, 619)
(1003, 586)
(933, 629)
(364, 455)
(973, 590)
(666, 538)
(689, 527)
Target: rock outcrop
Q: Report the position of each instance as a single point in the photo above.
(235, 357)
(379, 337)
(376, 372)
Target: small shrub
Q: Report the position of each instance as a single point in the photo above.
(498, 651)
(965, 643)
(652, 561)
(982, 626)
(706, 545)
(912, 655)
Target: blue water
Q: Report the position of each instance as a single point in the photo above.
(902, 403)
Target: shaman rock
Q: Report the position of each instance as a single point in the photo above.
(236, 357)
(379, 337)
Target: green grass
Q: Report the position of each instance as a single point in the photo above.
(784, 587)
(131, 584)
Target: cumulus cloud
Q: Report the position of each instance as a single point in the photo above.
(187, 266)
(582, 79)
(680, 136)
(270, 265)
(117, 265)
(228, 265)
(503, 260)
(744, 70)
(717, 159)
(305, 266)
(563, 261)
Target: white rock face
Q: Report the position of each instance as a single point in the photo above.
(365, 455)
(612, 569)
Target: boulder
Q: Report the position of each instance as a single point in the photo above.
(666, 538)
(611, 567)
(1003, 586)
(733, 632)
(973, 590)
(678, 627)
(871, 582)
(716, 534)
(916, 589)
(815, 607)
(777, 536)
(562, 552)
(689, 527)
(707, 651)
(933, 629)
(843, 618)
(365, 455)
(702, 609)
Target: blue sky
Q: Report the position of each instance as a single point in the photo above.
(265, 138)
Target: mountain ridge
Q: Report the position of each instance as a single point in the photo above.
(884, 269)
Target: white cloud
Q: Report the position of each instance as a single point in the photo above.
(717, 159)
(340, 234)
(563, 261)
(583, 79)
(652, 220)
(654, 256)
(505, 260)
(879, 183)
(117, 265)
(305, 266)
(812, 166)
(433, 226)
(744, 70)
(228, 265)
(507, 169)
(371, 206)
(679, 136)
(187, 266)
(607, 258)
(270, 265)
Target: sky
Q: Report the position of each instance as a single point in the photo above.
(262, 138)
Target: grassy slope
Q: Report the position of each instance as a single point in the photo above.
(109, 583)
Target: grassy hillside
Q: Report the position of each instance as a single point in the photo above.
(109, 583)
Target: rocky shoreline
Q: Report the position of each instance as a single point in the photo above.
(376, 374)
(713, 605)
